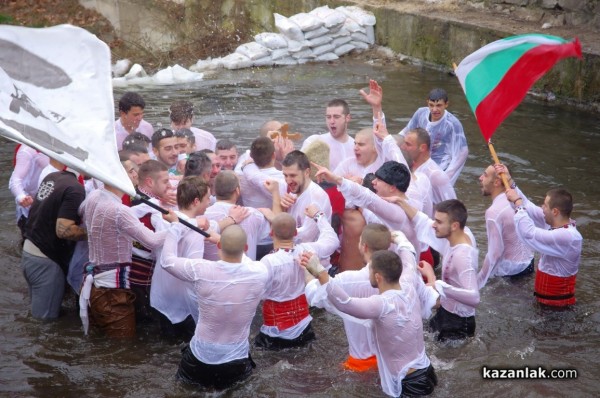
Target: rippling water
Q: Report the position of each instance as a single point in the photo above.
(546, 145)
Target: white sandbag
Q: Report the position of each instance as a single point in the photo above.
(264, 61)
(136, 70)
(325, 48)
(343, 49)
(338, 41)
(327, 57)
(359, 45)
(279, 54)
(308, 53)
(359, 36)
(295, 46)
(358, 14)
(288, 28)
(307, 22)
(370, 35)
(181, 74)
(319, 41)
(341, 33)
(353, 26)
(121, 67)
(253, 50)
(236, 61)
(206, 64)
(316, 33)
(286, 61)
(271, 40)
(332, 18)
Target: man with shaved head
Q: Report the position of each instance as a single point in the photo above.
(286, 319)
(228, 291)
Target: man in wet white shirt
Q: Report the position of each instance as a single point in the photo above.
(396, 325)
(131, 118)
(507, 255)
(286, 319)
(448, 234)
(228, 291)
(550, 231)
(341, 145)
(448, 142)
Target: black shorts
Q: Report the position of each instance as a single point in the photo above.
(452, 326)
(420, 382)
(220, 376)
(276, 343)
(527, 271)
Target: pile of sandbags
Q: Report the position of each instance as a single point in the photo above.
(323, 34)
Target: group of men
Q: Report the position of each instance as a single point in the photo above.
(352, 225)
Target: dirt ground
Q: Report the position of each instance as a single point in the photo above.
(39, 13)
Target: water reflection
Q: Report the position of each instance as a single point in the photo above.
(545, 145)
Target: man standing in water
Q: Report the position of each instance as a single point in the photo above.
(507, 255)
(550, 231)
(228, 291)
(131, 118)
(448, 142)
(341, 145)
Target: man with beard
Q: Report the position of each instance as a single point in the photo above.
(507, 255)
(164, 146)
(300, 193)
(459, 294)
(416, 150)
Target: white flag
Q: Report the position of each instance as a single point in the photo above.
(56, 96)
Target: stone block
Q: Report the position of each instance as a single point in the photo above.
(573, 5)
(548, 4)
(521, 3)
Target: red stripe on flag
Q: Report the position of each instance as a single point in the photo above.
(513, 87)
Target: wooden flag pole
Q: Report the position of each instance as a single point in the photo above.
(492, 151)
(497, 161)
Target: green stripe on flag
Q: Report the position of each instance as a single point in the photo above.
(560, 40)
(483, 78)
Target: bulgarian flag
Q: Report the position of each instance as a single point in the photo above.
(496, 77)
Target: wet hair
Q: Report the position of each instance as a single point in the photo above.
(129, 100)
(225, 144)
(262, 150)
(160, 135)
(181, 111)
(198, 163)
(206, 151)
(271, 125)
(233, 241)
(388, 264)
(149, 169)
(376, 237)
(423, 136)
(226, 182)
(368, 181)
(124, 155)
(136, 142)
(284, 226)
(438, 94)
(339, 102)
(187, 134)
(298, 158)
(562, 200)
(456, 210)
(190, 188)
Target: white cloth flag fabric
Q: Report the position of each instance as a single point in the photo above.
(56, 96)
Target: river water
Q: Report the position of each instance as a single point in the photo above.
(546, 145)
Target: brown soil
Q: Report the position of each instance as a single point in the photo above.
(42, 13)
